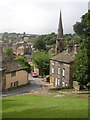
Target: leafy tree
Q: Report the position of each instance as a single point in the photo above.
(82, 28)
(80, 67)
(12, 36)
(50, 39)
(82, 60)
(68, 38)
(42, 60)
(5, 36)
(24, 63)
(9, 52)
(40, 44)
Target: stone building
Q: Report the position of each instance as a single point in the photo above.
(13, 74)
(61, 64)
(21, 48)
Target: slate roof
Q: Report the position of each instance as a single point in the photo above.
(8, 64)
(11, 66)
(64, 57)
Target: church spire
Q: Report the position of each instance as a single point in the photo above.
(60, 40)
(60, 27)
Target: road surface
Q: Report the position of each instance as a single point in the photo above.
(33, 84)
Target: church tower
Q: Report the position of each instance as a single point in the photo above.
(60, 40)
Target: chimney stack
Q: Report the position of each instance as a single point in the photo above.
(70, 47)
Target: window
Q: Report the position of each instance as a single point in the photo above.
(13, 73)
(58, 82)
(59, 71)
(11, 84)
(52, 70)
(63, 72)
(16, 83)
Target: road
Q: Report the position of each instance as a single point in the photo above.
(34, 84)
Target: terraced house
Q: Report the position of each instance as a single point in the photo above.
(61, 64)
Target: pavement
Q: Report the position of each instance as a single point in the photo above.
(34, 84)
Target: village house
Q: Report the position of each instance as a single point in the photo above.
(13, 74)
(18, 47)
(61, 64)
(21, 48)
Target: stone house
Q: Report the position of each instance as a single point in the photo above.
(61, 70)
(13, 74)
(20, 50)
(61, 64)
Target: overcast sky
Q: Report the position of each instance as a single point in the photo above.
(40, 16)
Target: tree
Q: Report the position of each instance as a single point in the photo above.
(5, 36)
(80, 72)
(40, 44)
(50, 38)
(24, 63)
(42, 60)
(9, 52)
(83, 28)
(13, 36)
(68, 38)
(82, 59)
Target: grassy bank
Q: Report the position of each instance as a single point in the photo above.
(44, 107)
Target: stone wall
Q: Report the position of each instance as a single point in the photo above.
(76, 85)
(21, 77)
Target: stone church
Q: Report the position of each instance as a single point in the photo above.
(61, 63)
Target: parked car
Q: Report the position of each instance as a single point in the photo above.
(34, 74)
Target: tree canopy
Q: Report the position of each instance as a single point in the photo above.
(82, 59)
(83, 27)
(42, 60)
(43, 41)
(9, 52)
(39, 43)
(50, 38)
(24, 63)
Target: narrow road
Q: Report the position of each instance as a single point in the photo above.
(33, 84)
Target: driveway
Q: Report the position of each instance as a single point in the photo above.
(33, 84)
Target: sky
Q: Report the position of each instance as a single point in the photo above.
(40, 16)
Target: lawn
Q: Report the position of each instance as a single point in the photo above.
(27, 106)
